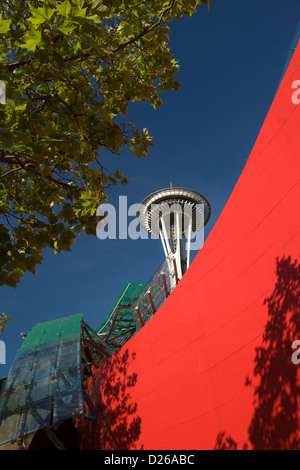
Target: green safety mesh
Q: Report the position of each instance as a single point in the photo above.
(120, 324)
(134, 306)
(124, 302)
(44, 386)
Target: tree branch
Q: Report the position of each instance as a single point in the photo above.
(11, 171)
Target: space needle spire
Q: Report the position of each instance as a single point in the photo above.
(174, 214)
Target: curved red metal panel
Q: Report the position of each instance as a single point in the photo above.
(213, 368)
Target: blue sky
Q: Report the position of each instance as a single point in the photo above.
(231, 60)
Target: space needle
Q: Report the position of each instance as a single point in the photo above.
(174, 214)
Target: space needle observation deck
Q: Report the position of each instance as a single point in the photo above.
(174, 214)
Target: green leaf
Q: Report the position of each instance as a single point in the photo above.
(80, 3)
(106, 115)
(67, 27)
(78, 12)
(56, 247)
(86, 195)
(4, 26)
(71, 13)
(64, 9)
(138, 152)
(94, 18)
(101, 10)
(32, 39)
(40, 15)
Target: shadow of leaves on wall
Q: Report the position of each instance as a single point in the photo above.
(118, 426)
(275, 421)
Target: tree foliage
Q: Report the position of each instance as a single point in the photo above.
(3, 320)
(71, 68)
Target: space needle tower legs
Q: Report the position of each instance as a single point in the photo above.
(173, 214)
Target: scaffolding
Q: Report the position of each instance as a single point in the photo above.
(137, 304)
(45, 386)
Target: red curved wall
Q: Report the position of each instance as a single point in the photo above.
(192, 378)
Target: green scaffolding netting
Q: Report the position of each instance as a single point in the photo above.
(123, 303)
(44, 385)
(135, 305)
